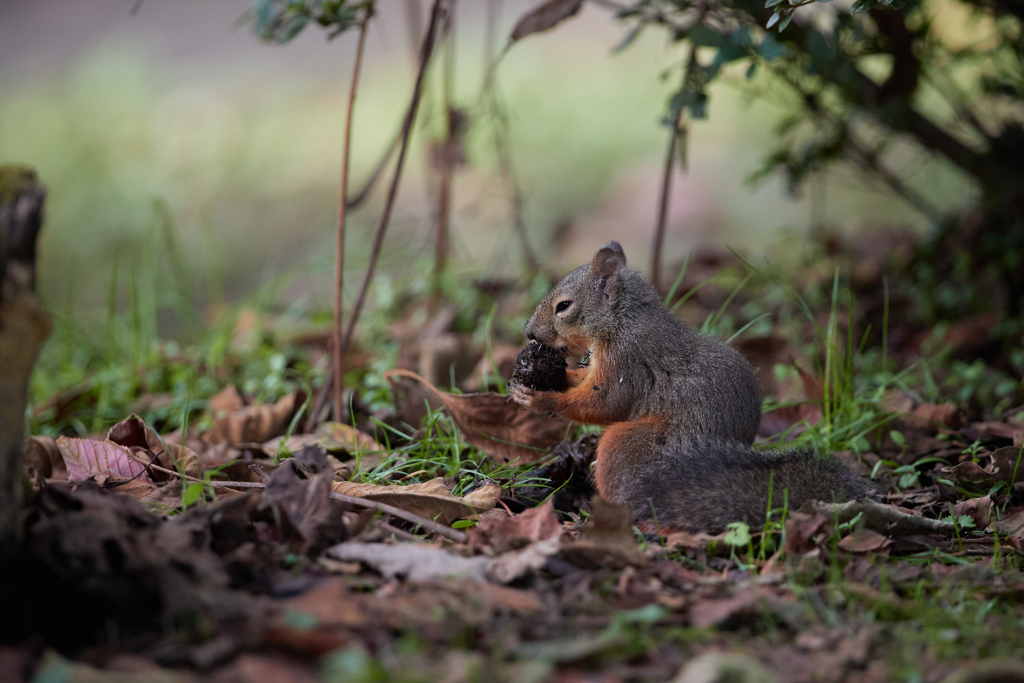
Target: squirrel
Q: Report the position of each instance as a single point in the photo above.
(681, 408)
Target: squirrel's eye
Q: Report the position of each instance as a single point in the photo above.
(563, 306)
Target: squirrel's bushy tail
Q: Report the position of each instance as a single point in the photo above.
(704, 486)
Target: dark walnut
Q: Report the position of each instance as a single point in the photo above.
(541, 368)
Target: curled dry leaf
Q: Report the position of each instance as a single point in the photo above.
(502, 429)
(253, 424)
(86, 458)
(864, 541)
(544, 17)
(430, 500)
(133, 433)
(299, 495)
(969, 472)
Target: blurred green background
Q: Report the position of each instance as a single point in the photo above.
(180, 149)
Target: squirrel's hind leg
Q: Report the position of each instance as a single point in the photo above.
(627, 454)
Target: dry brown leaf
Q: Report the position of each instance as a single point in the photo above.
(293, 443)
(255, 668)
(87, 458)
(330, 603)
(864, 541)
(1001, 430)
(608, 539)
(783, 418)
(967, 472)
(504, 430)
(802, 532)
(430, 500)
(227, 400)
(509, 533)
(510, 566)
(978, 509)
(1011, 525)
(813, 387)
(253, 424)
(522, 601)
(714, 613)
(544, 17)
(299, 495)
(136, 488)
(415, 561)
(338, 438)
(133, 433)
(943, 413)
(1009, 462)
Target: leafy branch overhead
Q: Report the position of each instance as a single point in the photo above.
(943, 90)
(281, 20)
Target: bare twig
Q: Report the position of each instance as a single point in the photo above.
(666, 180)
(444, 189)
(423, 522)
(884, 518)
(150, 465)
(426, 51)
(439, 529)
(339, 253)
(397, 533)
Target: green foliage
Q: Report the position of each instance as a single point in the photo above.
(955, 92)
(281, 20)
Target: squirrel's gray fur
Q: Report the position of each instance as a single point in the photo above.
(682, 407)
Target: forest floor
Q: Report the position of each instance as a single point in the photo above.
(194, 520)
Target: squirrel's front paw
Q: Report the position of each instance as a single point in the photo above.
(522, 394)
(537, 401)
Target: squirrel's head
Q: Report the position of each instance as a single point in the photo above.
(582, 307)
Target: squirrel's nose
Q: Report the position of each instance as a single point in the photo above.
(528, 331)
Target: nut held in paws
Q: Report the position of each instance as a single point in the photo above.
(540, 367)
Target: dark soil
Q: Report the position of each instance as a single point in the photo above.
(540, 367)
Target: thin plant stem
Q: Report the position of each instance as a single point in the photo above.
(339, 251)
(426, 51)
(444, 188)
(666, 181)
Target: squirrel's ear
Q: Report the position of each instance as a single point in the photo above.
(608, 260)
(607, 263)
